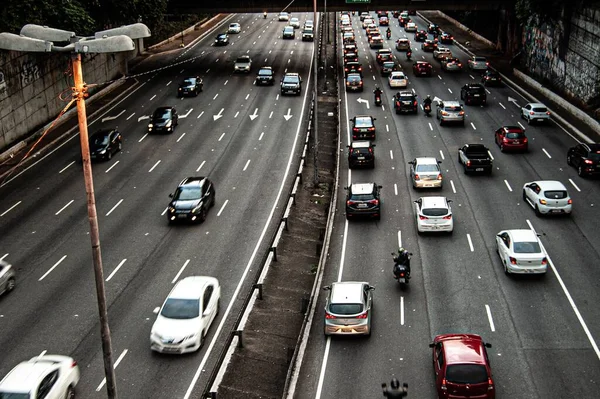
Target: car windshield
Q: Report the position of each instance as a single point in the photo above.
(188, 82)
(466, 373)
(511, 135)
(291, 79)
(398, 77)
(479, 59)
(427, 168)
(162, 114)
(233, 25)
(221, 36)
(527, 247)
(176, 308)
(99, 140)
(555, 194)
(346, 308)
(10, 395)
(265, 72)
(187, 193)
(363, 122)
(452, 108)
(361, 197)
(406, 97)
(434, 211)
(242, 59)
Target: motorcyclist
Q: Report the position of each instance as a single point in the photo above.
(395, 391)
(388, 32)
(265, 14)
(408, 54)
(403, 258)
(377, 92)
(427, 101)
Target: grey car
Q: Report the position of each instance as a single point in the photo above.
(450, 111)
(425, 172)
(7, 277)
(348, 310)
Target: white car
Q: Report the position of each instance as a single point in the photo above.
(434, 214)
(367, 22)
(477, 63)
(186, 315)
(535, 112)
(547, 197)
(7, 277)
(521, 252)
(295, 22)
(410, 27)
(234, 28)
(44, 376)
(284, 16)
(398, 79)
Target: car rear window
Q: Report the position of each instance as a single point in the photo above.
(360, 151)
(407, 97)
(427, 168)
(363, 122)
(527, 247)
(346, 308)
(435, 212)
(466, 374)
(540, 109)
(181, 308)
(514, 135)
(479, 59)
(452, 108)
(388, 64)
(361, 197)
(555, 194)
(290, 79)
(353, 78)
(475, 89)
(594, 156)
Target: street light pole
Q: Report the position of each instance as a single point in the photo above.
(316, 96)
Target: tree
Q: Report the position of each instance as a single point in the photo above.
(60, 14)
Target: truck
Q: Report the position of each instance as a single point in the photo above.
(475, 158)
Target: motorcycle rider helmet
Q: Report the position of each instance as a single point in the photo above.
(428, 97)
(395, 384)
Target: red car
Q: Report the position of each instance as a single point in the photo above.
(462, 367)
(511, 138)
(429, 45)
(422, 68)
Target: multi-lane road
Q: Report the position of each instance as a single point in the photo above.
(544, 331)
(245, 138)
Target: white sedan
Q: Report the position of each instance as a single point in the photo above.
(410, 27)
(186, 315)
(234, 28)
(521, 252)
(398, 79)
(434, 214)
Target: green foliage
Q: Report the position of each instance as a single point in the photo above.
(60, 14)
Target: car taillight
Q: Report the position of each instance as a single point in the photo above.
(439, 176)
(329, 316)
(417, 177)
(360, 83)
(374, 202)
(371, 129)
(468, 163)
(349, 203)
(588, 161)
(443, 387)
(569, 201)
(73, 364)
(447, 217)
(459, 64)
(490, 384)
(461, 113)
(513, 261)
(544, 261)
(504, 139)
(415, 103)
(423, 217)
(531, 113)
(363, 316)
(525, 140)
(487, 64)
(355, 129)
(370, 150)
(543, 201)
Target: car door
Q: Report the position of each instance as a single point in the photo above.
(531, 192)
(209, 306)
(48, 387)
(580, 153)
(499, 136)
(503, 246)
(438, 365)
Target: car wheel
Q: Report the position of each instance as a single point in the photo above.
(120, 146)
(10, 284)
(202, 217)
(505, 268)
(465, 170)
(580, 171)
(501, 147)
(214, 200)
(569, 160)
(537, 211)
(70, 393)
(109, 155)
(528, 120)
(196, 93)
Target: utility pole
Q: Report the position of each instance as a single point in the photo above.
(316, 96)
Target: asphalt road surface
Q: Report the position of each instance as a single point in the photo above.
(242, 136)
(543, 330)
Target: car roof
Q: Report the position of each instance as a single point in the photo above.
(406, 93)
(426, 160)
(451, 103)
(472, 85)
(384, 50)
(103, 132)
(266, 67)
(193, 181)
(361, 144)
(28, 374)
(536, 105)
(362, 188)
(423, 62)
(513, 129)
(442, 49)
(397, 73)
(464, 348)
(550, 185)
(191, 287)
(403, 39)
(434, 202)
(347, 292)
(522, 235)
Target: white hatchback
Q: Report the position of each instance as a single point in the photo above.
(234, 28)
(521, 252)
(398, 79)
(410, 27)
(434, 214)
(535, 112)
(547, 197)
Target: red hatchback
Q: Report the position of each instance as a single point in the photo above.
(422, 68)
(511, 138)
(462, 368)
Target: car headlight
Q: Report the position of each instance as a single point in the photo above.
(171, 209)
(103, 152)
(169, 123)
(197, 208)
(150, 126)
(191, 336)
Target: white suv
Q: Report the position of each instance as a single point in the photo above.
(44, 376)
(537, 112)
(547, 197)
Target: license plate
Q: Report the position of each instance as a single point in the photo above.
(476, 95)
(516, 142)
(428, 185)
(556, 211)
(182, 216)
(402, 280)
(362, 205)
(479, 169)
(360, 158)
(540, 120)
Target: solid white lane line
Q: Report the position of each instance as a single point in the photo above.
(130, 116)
(201, 113)
(246, 166)
(395, 189)
(155, 165)
(152, 98)
(508, 185)
(574, 185)
(116, 364)
(52, 268)
(522, 127)
(399, 238)
(180, 271)
(111, 166)
(546, 152)
(442, 155)
(391, 154)
(502, 105)
(401, 310)
(66, 167)
(180, 137)
(223, 207)
(114, 207)
(470, 242)
(569, 298)
(64, 207)
(387, 128)
(474, 128)
(453, 188)
(201, 165)
(116, 270)
(261, 136)
(491, 320)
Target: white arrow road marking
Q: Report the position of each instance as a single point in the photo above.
(361, 100)
(288, 115)
(110, 118)
(513, 100)
(219, 115)
(186, 114)
(141, 118)
(254, 115)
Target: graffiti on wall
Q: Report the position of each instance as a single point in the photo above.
(30, 71)
(3, 90)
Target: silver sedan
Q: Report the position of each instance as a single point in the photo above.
(425, 172)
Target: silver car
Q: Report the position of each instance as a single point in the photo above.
(535, 112)
(450, 111)
(547, 197)
(425, 172)
(477, 63)
(348, 308)
(7, 277)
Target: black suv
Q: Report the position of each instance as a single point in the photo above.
(405, 101)
(585, 158)
(363, 127)
(164, 120)
(191, 200)
(190, 86)
(473, 93)
(104, 143)
(363, 199)
(265, 76)
(420, 36)
(291, 83)
(491, 78)
(353, 67)
(361, 153)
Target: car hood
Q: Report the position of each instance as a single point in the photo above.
(187, 86)
(185, 204)
(160, 122)
(176, 328)
(97, 147)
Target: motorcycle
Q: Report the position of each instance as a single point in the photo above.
(427, 109)
(408, 55)
(264, 15)
(377, 97)
(401, 270)
(388, 34)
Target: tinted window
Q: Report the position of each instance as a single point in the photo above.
(452, 108)
(466, 373)
(361, 197)
(221, 36)
(514, 135)
(427, 168)
(360, 151)
(557, 194)
(99, 140)
(187, 193)
(527, 247)
(363, 122)
(265, 72)
(353, 78)
(540, 109)
(291, 79)
(5, 395)
(181, 308)
(480, 59)
(346, 308)
(162, 114)
(435, 211)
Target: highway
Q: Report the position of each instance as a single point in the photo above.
(245, 138)
(544, 330)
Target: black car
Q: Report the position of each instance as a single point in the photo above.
(446, 38)
(164, 120)
(291, 83)
(433, 28)
(388, 67)
(104, 143)
(473, 93)
(361, 153)
(350, 48)
(363, 127)
(222, 39)
(191, 200)
(265, 76)
(190, 86)
(353, 67)
(429, 45)
(405, 101)
(363, 199)
(350, 57)
(491, 78)
(354, 82)
(585, 158)
(420, 36)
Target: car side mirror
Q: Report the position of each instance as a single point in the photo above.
(439, 162)
(379, 186)
(171, 195)
(488, 345)
(156, 309)
(327, 288)
(431, 345)
(449, 201)
(411, 163)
